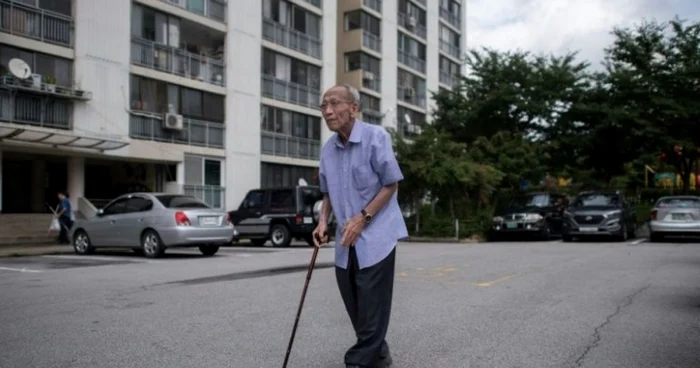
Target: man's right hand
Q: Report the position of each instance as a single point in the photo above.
(320, 235)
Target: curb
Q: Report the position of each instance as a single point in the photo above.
(33, 250)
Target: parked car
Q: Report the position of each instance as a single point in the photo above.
(599, 213)
(152, 223)
(675, 215)
(538, 214)
(278, 214)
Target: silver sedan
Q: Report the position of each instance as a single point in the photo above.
(152, 222)
(675, 215)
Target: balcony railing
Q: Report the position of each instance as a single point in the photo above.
(39, 24)
(410, 95)
(450, 17)
(214, 9)
(372, 116)
(371, 41)
(450, 49)
(175, 61)
(423, 2)
(35, 110)
(149, 126)
(411, 61)
(290, 92)
(375, 5)
(448, 79)
(212, 195)
(287, 146)
(291, 38)
(43, 85)
(411, 24)
(316, 3)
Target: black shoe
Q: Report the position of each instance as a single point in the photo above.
(384, 363)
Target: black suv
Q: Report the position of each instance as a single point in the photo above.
(537, 213)
(600, 213)
(277, 214)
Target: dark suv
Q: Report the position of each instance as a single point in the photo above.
(536, 213)
(277, 214)
(599, 213)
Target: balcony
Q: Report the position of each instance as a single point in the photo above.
(35, 110)
(316, 3)
(35, 23)
(212, 195)
(176, 61)
(412, 61)
(372, 116)
(43, 85)
(450, 49)
(288, 146)
(371, 41)
(410, 95)
(422, 2)
(149, 126)
(449, 79)
(411, 24)
(291, 38)
(375, 5)
(213, 9)
(291, 92)
(451, 18)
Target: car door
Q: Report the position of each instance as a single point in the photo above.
(102, 230)
(133, 219)
(249, 220)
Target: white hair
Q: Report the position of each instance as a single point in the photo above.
(354, 93)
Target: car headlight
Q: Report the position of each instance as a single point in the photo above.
(498, 219)
(612, 213)
(533, 217)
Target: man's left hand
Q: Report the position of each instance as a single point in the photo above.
(352, 230)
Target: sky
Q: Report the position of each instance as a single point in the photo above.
(561, 26)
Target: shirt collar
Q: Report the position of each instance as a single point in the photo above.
(355, 135)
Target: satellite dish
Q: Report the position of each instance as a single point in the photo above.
(302, 182)
(407, 118)
(19, 68)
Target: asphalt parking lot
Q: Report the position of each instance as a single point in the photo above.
(514, 304)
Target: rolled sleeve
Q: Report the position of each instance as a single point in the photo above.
(384, 160)
(323, 183)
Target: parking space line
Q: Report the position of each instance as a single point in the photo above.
(504, 278)
(19, 269)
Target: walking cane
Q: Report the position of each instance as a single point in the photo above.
(301, 303)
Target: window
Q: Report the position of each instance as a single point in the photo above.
(288, 69)
(277, 175)
(415, 117)
(212, 172)
(360, 61)
(202, 171)
(57, 6)
(43, 64)
(452, 7)
(410, 46)
(406, 79)
(282, 199)
(359, 19)
(151, 25)
(410, 9)
(254, 200)
(449, 36)
(290, 123)
(450, 67)
(115, 208)
(180, 201)
(155, 96)
(138, 204)
(292, 16)
(370, 102)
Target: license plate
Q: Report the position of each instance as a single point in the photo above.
(511, 225)
(678, 216)
(588, 229)
(308, 220)
(209, 221)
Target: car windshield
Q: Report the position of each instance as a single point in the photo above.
(596, 199)
(180, 201)
(530, 200)
(679, 203)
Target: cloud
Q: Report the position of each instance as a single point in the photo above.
(561, 26)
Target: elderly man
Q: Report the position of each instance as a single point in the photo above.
(359, 177)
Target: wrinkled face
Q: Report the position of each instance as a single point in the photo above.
(337, 108)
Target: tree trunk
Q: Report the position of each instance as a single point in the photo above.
(416, 206)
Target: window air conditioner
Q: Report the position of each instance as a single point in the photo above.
(173, 122)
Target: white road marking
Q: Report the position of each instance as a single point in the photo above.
(635, 242)
(19, 269)
(88, 258)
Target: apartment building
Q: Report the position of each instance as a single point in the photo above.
(205, 97)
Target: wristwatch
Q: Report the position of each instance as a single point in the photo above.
(367, 216)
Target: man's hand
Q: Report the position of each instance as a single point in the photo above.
(320, 234)
(352, 230)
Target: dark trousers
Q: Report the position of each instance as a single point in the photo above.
(66, 225)
(367, 294)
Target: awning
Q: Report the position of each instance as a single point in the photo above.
(55, 139)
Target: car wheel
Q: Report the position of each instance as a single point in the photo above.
(280, 236)
(81, 243)
(546, 233)
(151, 244)
(208, 250)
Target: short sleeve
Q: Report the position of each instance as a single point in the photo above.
(384, 160)
(323, 183)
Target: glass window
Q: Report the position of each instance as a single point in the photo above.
(277, 175)
(254, 199)
(180, 201)
(679, 202)
(353, 20)
(282, 199)
(596, 199)
(115, 208)
(212, 172)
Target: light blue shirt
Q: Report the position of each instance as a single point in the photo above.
(352, 175)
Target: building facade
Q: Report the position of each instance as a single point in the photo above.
(204, 97)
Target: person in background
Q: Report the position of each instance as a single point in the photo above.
(64, 214)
